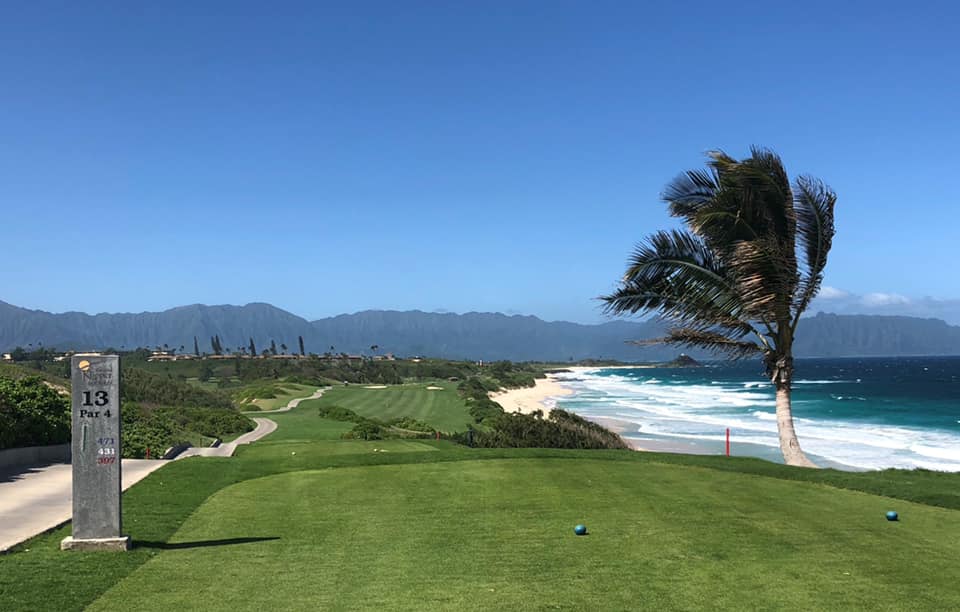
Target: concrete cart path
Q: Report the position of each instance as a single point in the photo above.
(264, 427)
(36, 499)
(293, 403)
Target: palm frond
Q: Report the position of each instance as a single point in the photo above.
(687, 194)
(814, 204)
(706, 339)
(673, 273)
(768, 189)
(697, 308)
(765, 276)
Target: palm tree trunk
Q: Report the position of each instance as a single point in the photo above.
(789, 445)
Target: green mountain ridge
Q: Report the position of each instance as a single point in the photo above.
(473, 335)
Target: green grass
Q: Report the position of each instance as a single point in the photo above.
(303, 426)
(442, 409)
(498, 534)
(303, 520)
(284, 393)
(16, 371)
(213, 383)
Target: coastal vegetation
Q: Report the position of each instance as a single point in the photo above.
(157, 411)
(32, 413)
(738, 278)
(166, 404)
(559, 429)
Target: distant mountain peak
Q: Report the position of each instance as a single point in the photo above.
(472, 335)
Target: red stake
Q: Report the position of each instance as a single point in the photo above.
(728, 441)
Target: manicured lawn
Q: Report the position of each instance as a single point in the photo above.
(302, 425)
(498, 535)
(304, 520)
(441, 408)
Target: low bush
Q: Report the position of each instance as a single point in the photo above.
(146, 388)
(365, 430)
(32, 414)
(373, 429)
(159, 428)
(560, 430)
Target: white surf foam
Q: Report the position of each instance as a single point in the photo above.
(704, 411)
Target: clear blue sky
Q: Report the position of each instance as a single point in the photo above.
(494, 156)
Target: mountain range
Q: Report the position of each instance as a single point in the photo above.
(473, 335)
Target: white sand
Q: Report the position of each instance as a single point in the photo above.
(434, 388)
(375, 387)
(531, 399)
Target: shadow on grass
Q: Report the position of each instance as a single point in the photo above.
(200, 544)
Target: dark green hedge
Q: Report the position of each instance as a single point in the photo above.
(32, 414)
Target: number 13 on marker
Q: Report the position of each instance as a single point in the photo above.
(100, 398)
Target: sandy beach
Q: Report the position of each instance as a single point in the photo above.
(531, 399)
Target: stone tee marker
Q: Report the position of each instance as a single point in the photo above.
(96, 455)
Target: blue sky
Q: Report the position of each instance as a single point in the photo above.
(493, 156)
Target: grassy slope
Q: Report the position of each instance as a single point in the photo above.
(442, 409)
(290, 391)
(498, 534)
(16, 371)
(654, 499)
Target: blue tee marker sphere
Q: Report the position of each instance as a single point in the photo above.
(892, 516)
(580, 530)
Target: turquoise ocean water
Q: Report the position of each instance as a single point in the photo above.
(866, 413)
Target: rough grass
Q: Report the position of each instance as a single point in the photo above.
(442, 409)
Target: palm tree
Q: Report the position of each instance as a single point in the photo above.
(737, 279)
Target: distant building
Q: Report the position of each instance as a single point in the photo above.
(7, 357)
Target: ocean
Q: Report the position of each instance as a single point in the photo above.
(857, 413)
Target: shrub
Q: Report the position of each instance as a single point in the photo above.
(159, 428)
(144, 387)
(32, 414)
(365, 430)
(339, 413)
(560, 430)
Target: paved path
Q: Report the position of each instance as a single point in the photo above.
(36, 499)
(264, 427)
(294, 402)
